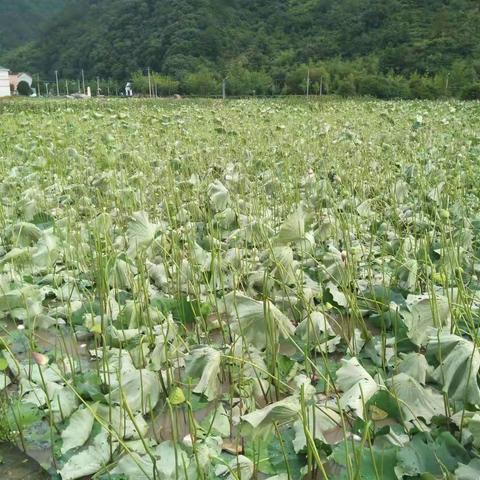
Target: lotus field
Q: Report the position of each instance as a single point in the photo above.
(250, 289)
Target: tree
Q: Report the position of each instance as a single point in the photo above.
(471, 92)
(202, 82)
(23, 88)
(242, 81)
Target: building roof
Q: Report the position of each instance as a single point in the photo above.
(3, 68)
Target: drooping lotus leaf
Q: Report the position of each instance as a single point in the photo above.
(140, 389)
(119, 421)
(140, 233)
(218, 195)
(63, 401)
(423, 455)
(89, 460)
(18, 298)
(468, 472)
(458, 369)
(4, 381)
(407, 274)
(172, 462)
(368, 463)
(47, 251)
(253, 317)
(122, 274)
(425, 316)
(78, 429)
(240, 468)
(415, 401)
(204, 363)
(260, 423)
(316, 332)
(415, 365)
(292, 229)
(322, 422)
(358, 386)
(135, 466)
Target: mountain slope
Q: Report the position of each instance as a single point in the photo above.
(21, 20)
(114, 38)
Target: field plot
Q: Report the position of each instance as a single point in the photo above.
(242, 290)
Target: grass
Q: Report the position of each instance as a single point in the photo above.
(250, 289)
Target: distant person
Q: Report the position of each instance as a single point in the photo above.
(128, 89)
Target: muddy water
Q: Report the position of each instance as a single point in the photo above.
(16, 465)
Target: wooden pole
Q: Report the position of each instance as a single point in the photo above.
(149, 83)
(224, 88)
(308, 82)
(83, 81)
(66, 86)
(56, 81)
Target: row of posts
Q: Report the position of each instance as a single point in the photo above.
(151, 88)
(81, 88)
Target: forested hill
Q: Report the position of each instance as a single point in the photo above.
(22, 20)
(115, 38)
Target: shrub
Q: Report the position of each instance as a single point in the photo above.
(346, 88)
(383, 87)
(245, 82)
(471, 92)
(202, 82)
(23, 88)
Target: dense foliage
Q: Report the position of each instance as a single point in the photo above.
(386, 48)
(22, 20)
(241, 290)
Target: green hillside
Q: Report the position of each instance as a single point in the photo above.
(22, 20)
(340, 39)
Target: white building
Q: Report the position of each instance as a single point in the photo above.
(16, 78)
(4, 82)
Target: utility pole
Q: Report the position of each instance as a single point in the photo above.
(39, 93)
(66, 86)
(321, 86)
(83, 81)
(446, 84)
(98, 86)
(46, 88)
(56, 81)
(149, 83)
(224, 88)
(308, 82)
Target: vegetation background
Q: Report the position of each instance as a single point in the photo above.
(382, 48)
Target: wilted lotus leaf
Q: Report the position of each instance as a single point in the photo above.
(292, 229)
(322, 421)
(140, 389)
(78, 430)
(253, 315)
(218, 195)
(260, 423)
(89, 460)
(415, 365)
(358, 386)
(240, 464)
(459, 365)
(204, 363)
(23, 234)
(425, 316)
(118, 420)
(140, 233)
(415, 401)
